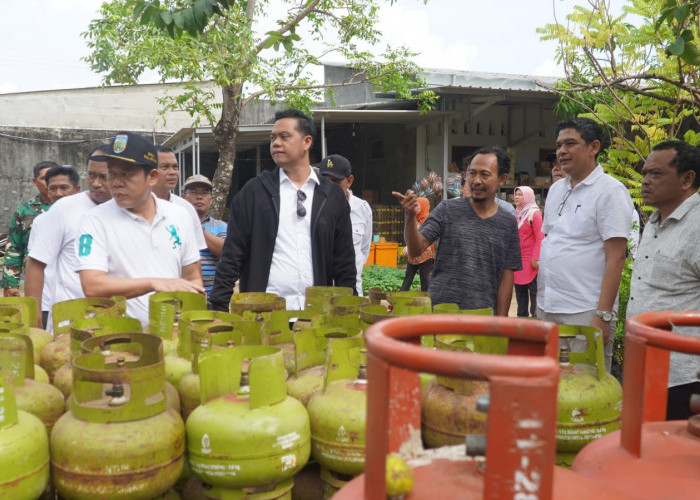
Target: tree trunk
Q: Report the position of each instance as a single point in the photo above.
(225, 134)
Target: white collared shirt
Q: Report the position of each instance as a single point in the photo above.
(116, 241)
(291, 270)
(361, 218)
(577, 222)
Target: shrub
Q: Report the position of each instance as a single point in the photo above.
(388, 278)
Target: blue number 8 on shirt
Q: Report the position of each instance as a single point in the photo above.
(85, 246)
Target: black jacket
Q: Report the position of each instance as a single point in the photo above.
(252, 232)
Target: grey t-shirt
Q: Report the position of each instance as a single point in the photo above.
(472, 254)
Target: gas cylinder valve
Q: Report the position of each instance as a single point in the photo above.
(564, 357)
(476, 443)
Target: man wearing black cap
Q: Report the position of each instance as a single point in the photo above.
(338, 169)
(288, 227)
(136, 243)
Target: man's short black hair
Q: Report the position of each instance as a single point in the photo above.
(590, 130)
(102, 147)
(42, 165)
(305, 125)
(66, 170)
(164, 149)
(501, 156)
(687, 158)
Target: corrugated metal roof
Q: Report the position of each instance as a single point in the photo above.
(480, 80)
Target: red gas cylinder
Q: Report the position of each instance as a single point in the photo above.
(520, 437)
(649, 458)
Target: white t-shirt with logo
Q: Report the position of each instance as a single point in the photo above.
(56, 237)
(113, 240)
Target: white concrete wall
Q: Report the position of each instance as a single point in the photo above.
(134, 108)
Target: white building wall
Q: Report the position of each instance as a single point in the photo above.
(133, 108)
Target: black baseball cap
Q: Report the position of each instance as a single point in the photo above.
(336, 166)
(131, 148)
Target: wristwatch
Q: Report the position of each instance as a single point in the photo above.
(606, 316)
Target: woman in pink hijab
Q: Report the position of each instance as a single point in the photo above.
(530, 229)
(423, 264)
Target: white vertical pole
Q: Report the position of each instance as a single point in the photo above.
(195, 152)
(323, 136)
(421, 146)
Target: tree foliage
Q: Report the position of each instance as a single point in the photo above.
(635, 72)
(195, 41)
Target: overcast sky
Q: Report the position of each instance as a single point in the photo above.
(41, 46)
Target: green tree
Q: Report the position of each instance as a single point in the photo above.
(194, 41)
(635, 72)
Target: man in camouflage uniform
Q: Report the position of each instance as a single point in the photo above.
(20, 226)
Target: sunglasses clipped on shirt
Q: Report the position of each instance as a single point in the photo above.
(561, 205)
(301, 198)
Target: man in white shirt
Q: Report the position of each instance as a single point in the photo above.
(50, 277)
(337, 168)
(666, 274)
(168, 175)
(135, 244)
(288, 228)
(587, 223)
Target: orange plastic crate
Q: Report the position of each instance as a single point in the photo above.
(386, 254)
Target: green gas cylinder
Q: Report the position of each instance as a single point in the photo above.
(343, 311)
(310, 359)
(164, 309)
(376, 296)
(26, 307)
(448, 405)
(589, 400)
(120, 440)
(255, 302)
(9, 314)
(318, 298)
(24, 448)
(338, 412)
(113, 348)
(206, 338)
(40, 374)
(83, 329)
(248, 438)
(400, 304)
(57, 353)
(38, 398)
(179, 362)
(283, 325)
(25, 311)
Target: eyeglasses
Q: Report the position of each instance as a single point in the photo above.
(301, 198)
(561, 206)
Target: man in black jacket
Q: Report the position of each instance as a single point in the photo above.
(288, 228)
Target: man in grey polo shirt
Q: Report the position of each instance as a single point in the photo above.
(666, 272)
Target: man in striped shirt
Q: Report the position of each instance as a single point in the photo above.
(197, 191)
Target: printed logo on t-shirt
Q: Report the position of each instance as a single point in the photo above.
(174, 237)
(85, 245)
